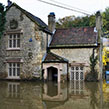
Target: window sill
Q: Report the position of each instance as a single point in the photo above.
(13, 49)
(14, 78)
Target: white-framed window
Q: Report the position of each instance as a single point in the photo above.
(14, 70)
(77, 73)
(14, 41)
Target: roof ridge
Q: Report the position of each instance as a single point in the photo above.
(51, 57)
(72, 28)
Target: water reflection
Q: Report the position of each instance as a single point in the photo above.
(54, 94)
(16, 95)
(76, 88)
(13, 90)
(72, 95)
(106, 94)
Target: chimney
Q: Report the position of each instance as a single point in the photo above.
(51, 21)
(99, 25)
(9, 2)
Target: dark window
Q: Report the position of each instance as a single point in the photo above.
(14, 41)
(81, 68)
(14, 69)
(77, 75)
(77, 68)
(81, 75)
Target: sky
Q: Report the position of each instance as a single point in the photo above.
(42, 10)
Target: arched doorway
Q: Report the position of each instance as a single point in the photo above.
(52, 73)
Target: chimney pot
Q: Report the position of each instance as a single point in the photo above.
(51, 21)
(9, 2)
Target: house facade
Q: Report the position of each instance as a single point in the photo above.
(74, 48)
(29, 48)
(23, 44)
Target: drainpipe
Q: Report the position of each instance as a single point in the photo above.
(99, 30)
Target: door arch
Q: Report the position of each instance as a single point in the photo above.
(52, 73)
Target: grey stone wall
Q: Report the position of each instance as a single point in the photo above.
(31, 53)
(76, 55)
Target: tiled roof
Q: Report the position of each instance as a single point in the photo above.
(32, 17)
(51, 57)
(74, 37)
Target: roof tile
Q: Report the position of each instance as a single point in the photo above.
(74, 36)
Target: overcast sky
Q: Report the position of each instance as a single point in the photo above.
(42, 10)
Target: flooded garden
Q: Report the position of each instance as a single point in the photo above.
(52, 95)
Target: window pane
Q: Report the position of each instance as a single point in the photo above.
(14, 64)
(10, 72)
(10, 36)
(18, 42)
(10, 43)
(18, 71)
(14, 72)
(14, 36)
(81, 76)
(81, 68)
(18, 36)
(14, 43)
(77, 75)
(72, 75)
(72, 68)
(18, 64)
(77, 68)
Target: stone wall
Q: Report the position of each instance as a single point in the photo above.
(76, 56)
(31, 53)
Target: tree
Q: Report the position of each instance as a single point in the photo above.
(2, 19)
(105, 16)
(72, 21)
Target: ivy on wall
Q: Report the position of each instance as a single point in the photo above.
(2, 19)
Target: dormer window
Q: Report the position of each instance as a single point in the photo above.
(14, 41)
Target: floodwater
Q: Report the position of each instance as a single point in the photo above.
(38, 95)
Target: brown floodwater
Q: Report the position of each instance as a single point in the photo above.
(39, 95)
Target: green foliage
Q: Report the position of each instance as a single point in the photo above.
(92, 76)
(2, 19)
(105, 16)
(93, 62)
(72, 21)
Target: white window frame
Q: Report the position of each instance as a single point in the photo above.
(17, 37)
(12, 68)
(75, 72)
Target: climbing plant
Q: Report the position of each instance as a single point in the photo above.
(2, 19)
(93, 74)
(93, 62)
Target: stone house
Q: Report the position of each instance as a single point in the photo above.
(23, 44)
(29, 48)
(69, 52)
